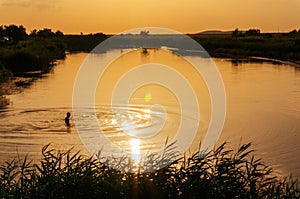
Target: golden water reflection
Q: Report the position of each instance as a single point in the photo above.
(135, 151)
(152, 111)
(263, 105)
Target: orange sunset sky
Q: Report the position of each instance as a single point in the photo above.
(187, 16)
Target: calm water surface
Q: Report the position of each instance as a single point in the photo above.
(263, 107)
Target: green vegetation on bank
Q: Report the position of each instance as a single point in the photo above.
(20, 52)
(235, 44)
(243, 44)
(223, 173)
(86, 43)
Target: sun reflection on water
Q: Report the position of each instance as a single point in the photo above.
(135, 150)
(141, 118)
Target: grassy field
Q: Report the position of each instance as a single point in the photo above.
(223, 173)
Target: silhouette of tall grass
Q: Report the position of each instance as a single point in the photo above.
(222, 173)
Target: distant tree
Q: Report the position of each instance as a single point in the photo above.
(15, 33)
(99, 34)
(237, 33)
(33, 33)
(58, 33)
(253, 32)
(46, 33)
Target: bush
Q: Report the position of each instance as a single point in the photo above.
(4, 74)
(33, 55)
(21, 61)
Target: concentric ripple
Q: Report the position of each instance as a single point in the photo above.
(152, 96)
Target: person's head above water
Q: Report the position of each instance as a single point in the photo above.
(68, 114)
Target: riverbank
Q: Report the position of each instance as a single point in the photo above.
(21, 52)
(38, 51)
(32, 54)
(279, 46)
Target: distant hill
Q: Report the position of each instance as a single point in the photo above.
(214, 32)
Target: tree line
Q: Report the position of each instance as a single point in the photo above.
(37, 51)
(12, 34)
(21, 52)
(257, 32)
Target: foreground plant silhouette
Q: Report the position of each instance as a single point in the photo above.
(223, 173)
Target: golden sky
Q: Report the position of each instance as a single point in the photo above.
(187, 16)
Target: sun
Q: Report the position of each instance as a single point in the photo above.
(147, 97)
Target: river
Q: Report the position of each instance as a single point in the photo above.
(263, 107)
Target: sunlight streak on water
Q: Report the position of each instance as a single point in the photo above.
(135, 150)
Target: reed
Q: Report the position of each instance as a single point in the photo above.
(222, 173)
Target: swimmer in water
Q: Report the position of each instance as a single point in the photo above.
(67, 119)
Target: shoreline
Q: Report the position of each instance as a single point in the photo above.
(292, 63)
